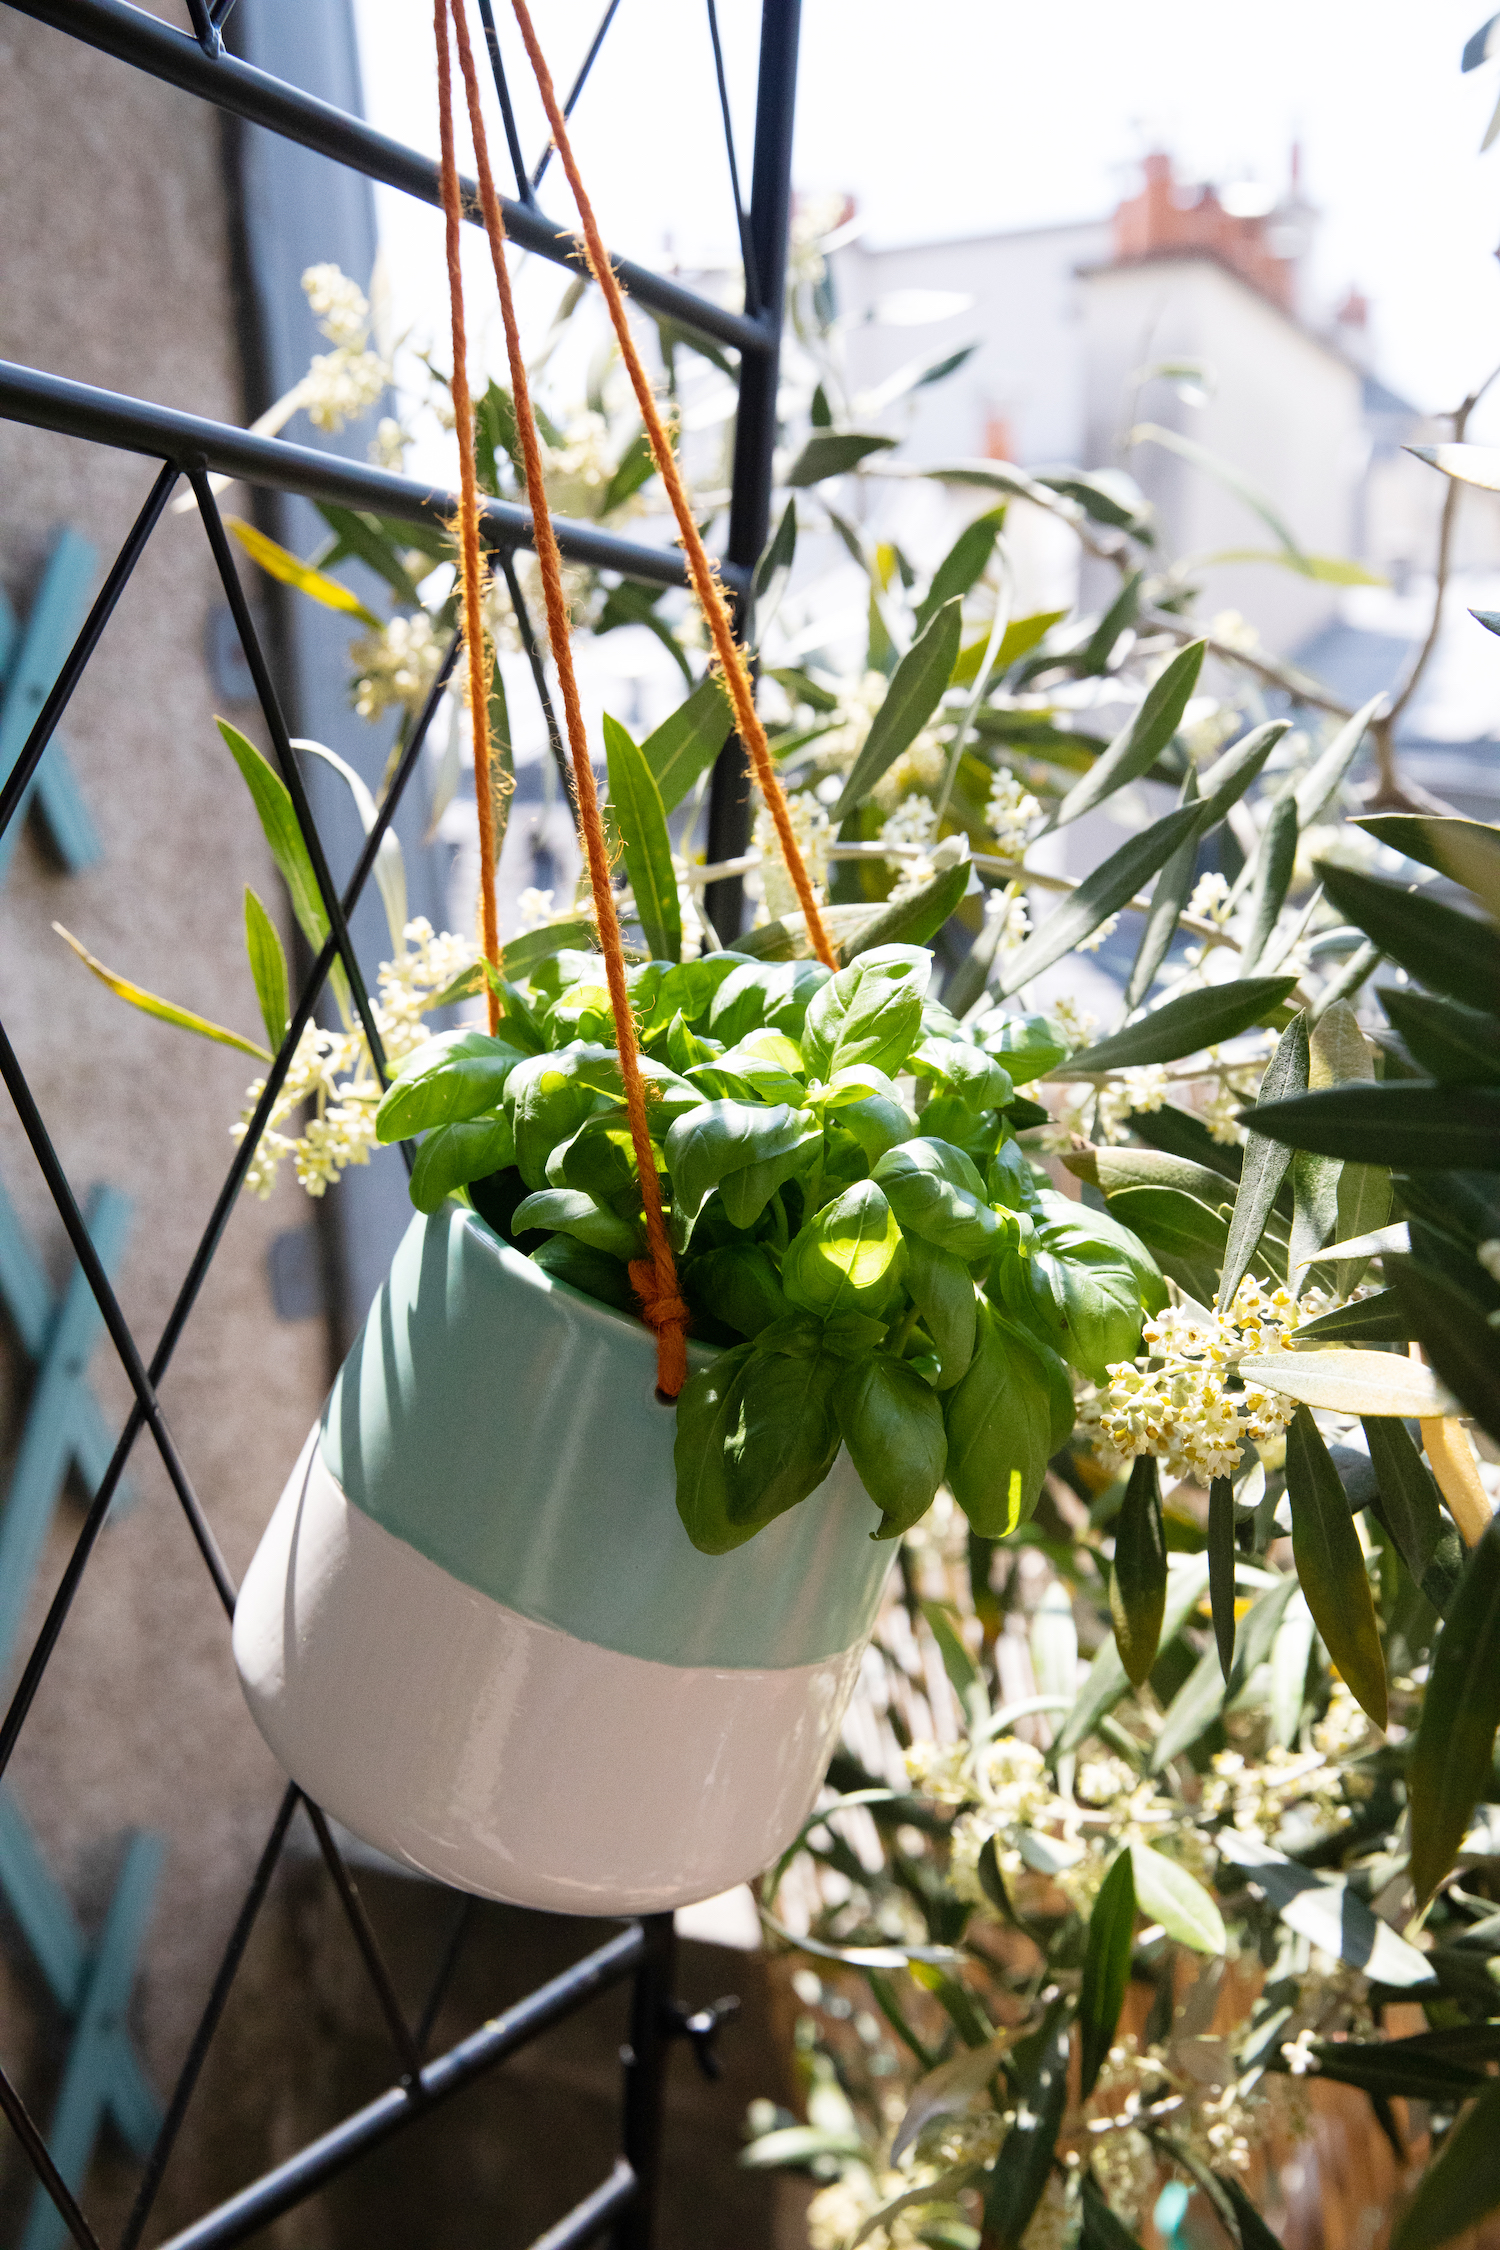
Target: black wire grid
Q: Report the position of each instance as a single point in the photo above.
(190, 448)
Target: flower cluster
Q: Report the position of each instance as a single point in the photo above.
(342, 384)
(1182, 1400)
(332, 1072)
(814, 833)
(1011, 814)
(395, 665)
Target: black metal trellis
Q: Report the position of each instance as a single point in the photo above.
(189, 447)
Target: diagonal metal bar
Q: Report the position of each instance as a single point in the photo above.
(364, 1937)
(502, 90)
(286, 758)
(208, 2024)
(399, 2107)
(741, 216)
(18, 780)
(576, 89)
(24, 2126)
(62, 1601)
(535, 659)
(587, 2220)
(114, 1319)
(458, 1930)
(133, 425)
(133, 36)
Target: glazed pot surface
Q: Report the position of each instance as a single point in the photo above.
(476, 1632)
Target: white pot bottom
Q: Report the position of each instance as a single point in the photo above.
(505, 1756)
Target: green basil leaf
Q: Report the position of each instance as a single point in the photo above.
(1110, 887)
(1027, 1047)
(636, 807)
(569, 1211)
(1079, 1223)
(708, 1416)
(268, 968)
(870, 1012)
(1092, 1291)
(848, 1257)
(936, 1192)
(738, 1285)
(941, 1288)
(999, 1422)
(452, 1076)
(747, 1191)
(1442, 946)
(1331, 1565)
(966, 1070)
(893, 1427)
(592, 1271)
(688, 989)
(1264, 1163)
(1140, 743)
(1181, 1027)
(786, 1437)
(877, 1125)
(1138, 1582)
(1106, 1970)
(548, 1099)
(454, 1155)
(914, 693)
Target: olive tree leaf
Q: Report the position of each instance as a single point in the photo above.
(390, 861)
(916, 689)
(1264, 1163)
(689, 739)
(1324, 1909)
(1173, 888)
(1110, 887)
(275, 561)
(1442, 946)
(1168, 1894)
(1466, 851)
(1451, 1326)
(1462, 2186)
(1373, 1320)
(1204, 1692)
(1106, 1970)
(913, 919)
(1231, 775)
(965, 562)
(267, 967)
(1449, 1769)
(1221, 1561)
(1341, 1379)
(948, 2090)
(278, 819)
(1331, 1565)
(1274, 863)
(165, 1011)
(1181, 1027)
(636, 806)
(1459, 1046)
(1105, 1684)
(1404, 1123)
(1323, 776)
(833, 453)
(1409, 1505)
(1140, 743)
(1138, 1582)
(1039, 2082)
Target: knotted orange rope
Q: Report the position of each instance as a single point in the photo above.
(705, 577)
(655, 1278)
(471, 563)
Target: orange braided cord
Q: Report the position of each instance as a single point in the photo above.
(705, 578)
(471, 567)
(655, 1281)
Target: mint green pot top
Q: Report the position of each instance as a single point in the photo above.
(508, 1428)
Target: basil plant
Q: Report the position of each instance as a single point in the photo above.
(855, 1223)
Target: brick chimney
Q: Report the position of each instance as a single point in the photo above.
(1166, 220)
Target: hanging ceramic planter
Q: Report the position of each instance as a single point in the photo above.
(476, 1630)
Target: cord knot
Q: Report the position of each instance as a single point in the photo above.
(663, 1310)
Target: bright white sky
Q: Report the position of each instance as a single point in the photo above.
(971, 115)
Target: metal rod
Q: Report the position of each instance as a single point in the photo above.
(645, 2060)
(755, 423)
(24, 2126)
(747, 247)
(406, 2047)
(208, 2024)
(502, 90)
(18, 780)
(134, 37)
(577, 88)
(52, 402)
(587, 2220)
(458, 1930)
(535, 659)
(391, 2112)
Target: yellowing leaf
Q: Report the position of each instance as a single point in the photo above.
(163, 1010)
(277, 563)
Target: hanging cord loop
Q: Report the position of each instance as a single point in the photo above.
(706, 582)
(654, 1278)
(472, 572)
